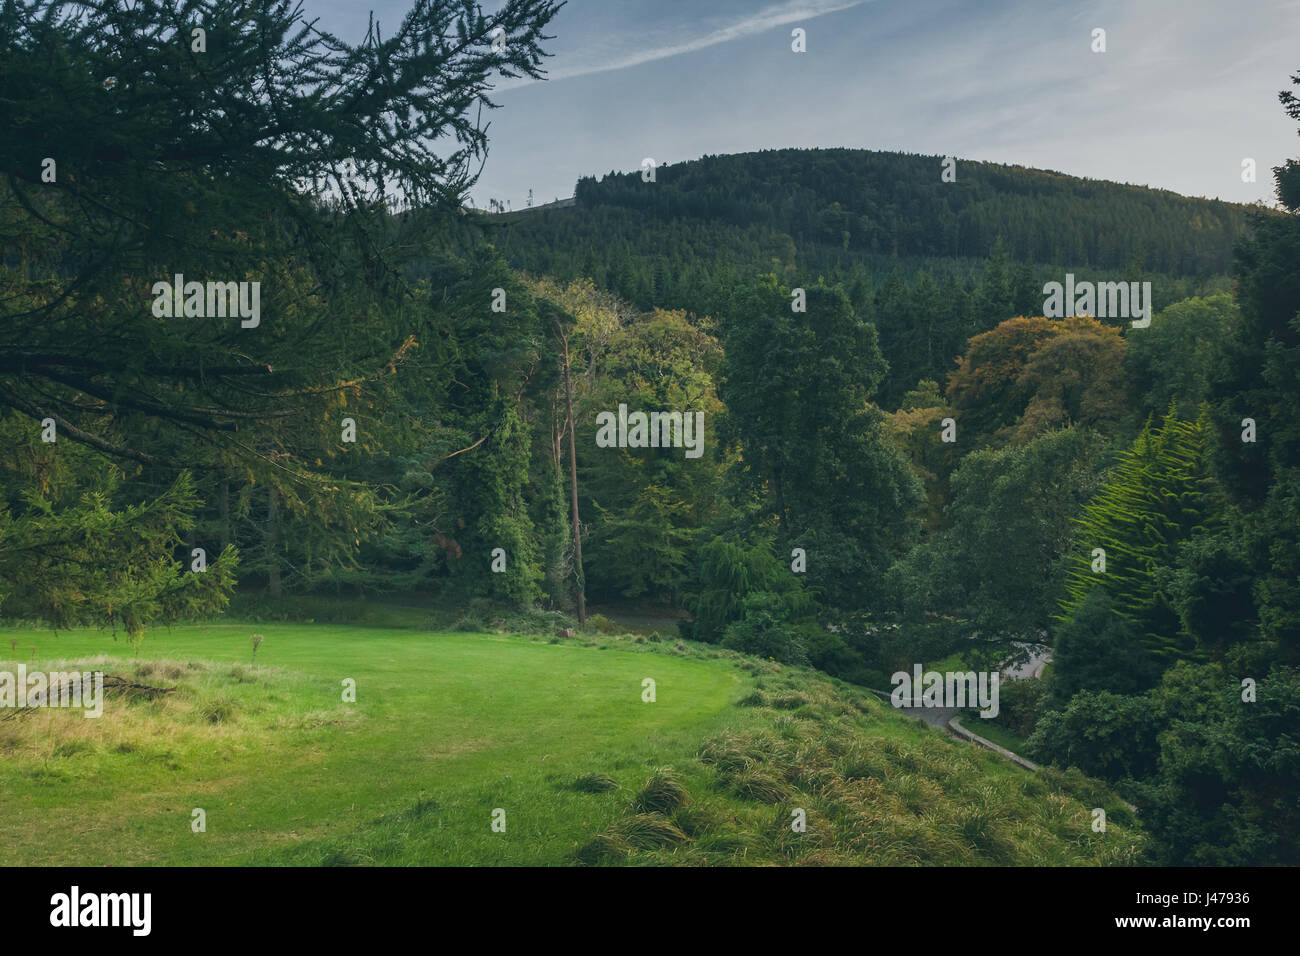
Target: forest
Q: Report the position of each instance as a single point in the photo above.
(884, 403)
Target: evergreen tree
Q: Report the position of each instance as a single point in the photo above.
(272, 154)
(797, 389)
(1157, 495)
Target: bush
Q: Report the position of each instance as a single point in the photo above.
(831, 653)
(1097, 650)
(602, 624)
(730, 575)
(1103, 734)
(1020, 704)
(765, 632)
(536, 621)
(469, 622)
(483, 615)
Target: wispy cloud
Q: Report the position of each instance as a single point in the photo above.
(776, 15)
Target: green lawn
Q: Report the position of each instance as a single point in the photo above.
(447, 728)
(474, 722)
(992, 731)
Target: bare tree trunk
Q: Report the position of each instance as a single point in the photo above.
(573, 492)
(557, 439)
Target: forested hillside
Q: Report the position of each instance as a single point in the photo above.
(831, 210)
(928, 262)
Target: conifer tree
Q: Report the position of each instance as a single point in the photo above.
(1157, 496)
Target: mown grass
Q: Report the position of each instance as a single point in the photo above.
(448, 728)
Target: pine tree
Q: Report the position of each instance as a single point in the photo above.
(276, 156)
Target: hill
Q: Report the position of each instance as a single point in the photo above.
(951, 259)
(665, 242)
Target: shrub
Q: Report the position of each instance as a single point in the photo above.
(537, 621)
(765, 631)
(1020, 704)
(482, 615)
(830, 652)
(468, 622)
(1103, 734)
(730, 574)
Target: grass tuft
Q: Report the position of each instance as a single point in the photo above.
(662, 793)
(595, 783)
(755, 785)
(649, 831)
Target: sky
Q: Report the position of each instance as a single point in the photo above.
(1185, 90)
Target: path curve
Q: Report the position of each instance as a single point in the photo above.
(945, 718)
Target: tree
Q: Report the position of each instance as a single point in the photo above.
(1105, 735)
(813, 450)
(1098, 650)
(1075, 378)
(1030, 374)
(985, 388)
(575, 521)
(916, 429)
(651, 503)
(162, 175)
(1261, 382)
(1227, 786)
(321, 176)
(1158, 494)
(70, 556)
(998, 565)
(1178, 358)
(731, 573)
(995, 297)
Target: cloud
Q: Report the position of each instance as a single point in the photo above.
(774, 16)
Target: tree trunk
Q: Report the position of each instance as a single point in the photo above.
(573, 492)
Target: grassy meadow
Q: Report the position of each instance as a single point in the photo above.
(448, 727)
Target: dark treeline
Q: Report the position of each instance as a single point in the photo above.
(813, 206)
